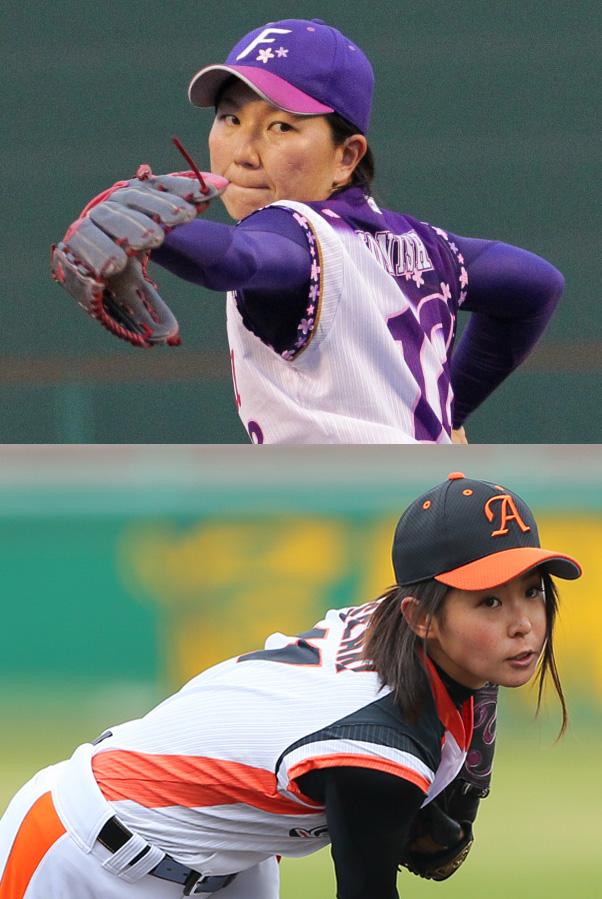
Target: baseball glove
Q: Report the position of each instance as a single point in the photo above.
(442, 836)
(438, 843)
(102, 259)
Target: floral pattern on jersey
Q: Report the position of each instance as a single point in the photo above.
(308, 323)
(463, 276)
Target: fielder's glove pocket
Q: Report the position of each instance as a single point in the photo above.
(437, 845)
(102, 259)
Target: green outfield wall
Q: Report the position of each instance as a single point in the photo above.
(130, 566)
(483, 123)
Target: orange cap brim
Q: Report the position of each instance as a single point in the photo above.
(501, 567)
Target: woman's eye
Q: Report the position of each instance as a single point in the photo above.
(228, 117)
(491, 602)
(534, 592)
(281, 127)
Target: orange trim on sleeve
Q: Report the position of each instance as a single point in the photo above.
(354, 760)
(40, 829)
(157, 781)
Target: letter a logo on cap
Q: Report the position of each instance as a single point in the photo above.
(508, 512)
(262, 39)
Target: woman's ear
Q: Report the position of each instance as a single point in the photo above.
(414, 616)
(352, 152)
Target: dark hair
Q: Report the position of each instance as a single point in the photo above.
(548, 659)
(392, 647)
(363, 173)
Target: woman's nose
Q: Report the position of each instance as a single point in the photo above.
(520, 623)
(246, 153)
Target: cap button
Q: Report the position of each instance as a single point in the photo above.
(455, 476)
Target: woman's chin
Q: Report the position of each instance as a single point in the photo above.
(514, 680)
(241, 202)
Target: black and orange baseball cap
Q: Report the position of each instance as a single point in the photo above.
(472, 535)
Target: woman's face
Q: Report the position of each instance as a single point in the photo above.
(267, 154)
(493, 635)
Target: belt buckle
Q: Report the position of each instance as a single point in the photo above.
(214, 883)
(192, 882)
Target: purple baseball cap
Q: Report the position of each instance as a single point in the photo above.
(302, 66)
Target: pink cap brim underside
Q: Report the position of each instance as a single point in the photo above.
(275, 90)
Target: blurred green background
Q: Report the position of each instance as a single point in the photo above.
(126, 570)
(482, 124)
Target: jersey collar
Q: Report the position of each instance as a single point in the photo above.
(458, 722)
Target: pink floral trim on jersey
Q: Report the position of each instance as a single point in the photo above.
(463, 276)
(309, 322)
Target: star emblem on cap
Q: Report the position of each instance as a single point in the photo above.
(282, 52)
(265, 55)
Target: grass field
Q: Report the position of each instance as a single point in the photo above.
(538, 834)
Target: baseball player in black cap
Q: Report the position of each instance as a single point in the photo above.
(372, 732)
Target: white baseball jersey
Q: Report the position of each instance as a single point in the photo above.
(370, 364)
(210, 776)
(49, 847)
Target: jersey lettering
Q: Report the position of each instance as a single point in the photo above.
(398, 254)
(349, 656)
(318, 832)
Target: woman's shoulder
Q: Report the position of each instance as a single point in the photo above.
(275, 219)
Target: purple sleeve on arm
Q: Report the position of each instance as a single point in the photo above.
(268, 251)
(512, 294)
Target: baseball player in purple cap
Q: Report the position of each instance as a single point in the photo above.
(341, 314)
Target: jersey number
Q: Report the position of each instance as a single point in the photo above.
(424, 336)
(301, 651)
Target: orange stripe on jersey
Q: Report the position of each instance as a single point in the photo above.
(39, 831)
(354, 760)
(156, 781)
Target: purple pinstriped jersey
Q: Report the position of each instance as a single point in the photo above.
(266, 260)
(430, 273)
(417, 255)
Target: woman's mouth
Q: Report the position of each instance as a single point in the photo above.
(249, 186)
(523, 659)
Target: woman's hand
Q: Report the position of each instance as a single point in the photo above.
(458, 435)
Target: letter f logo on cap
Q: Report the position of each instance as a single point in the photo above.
(262, 39)
(508, 512)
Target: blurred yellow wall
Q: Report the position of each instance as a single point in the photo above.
(222, 586)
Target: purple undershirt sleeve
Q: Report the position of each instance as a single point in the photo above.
(512, 294)
(265, 259)
(267, 251)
